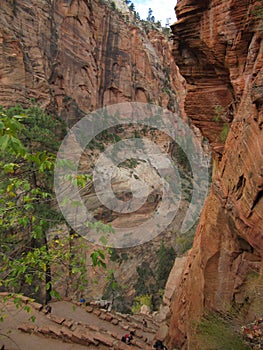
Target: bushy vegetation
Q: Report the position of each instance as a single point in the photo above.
(29, 139)
(219, 113)
(224, 133)
(152, 283)
(141, 300)
(166, 257)
(115, 292)
(258, 12)
(28, 147)
(184, 241)
(149, 283)
(116, 257)
(216, 332)
(219, 116)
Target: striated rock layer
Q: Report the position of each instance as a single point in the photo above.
(218, 47)
(77, 56)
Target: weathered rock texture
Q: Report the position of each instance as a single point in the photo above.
(77, 56)
(218, 47)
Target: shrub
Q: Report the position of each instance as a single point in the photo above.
(224, 133)
(220, 113)
(113, 5)
(140, 301)
(215, 332)
(166, 258)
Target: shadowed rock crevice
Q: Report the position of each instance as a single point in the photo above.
(220, 55)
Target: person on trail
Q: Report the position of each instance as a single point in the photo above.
(158, 345)
(47, 309)
(127, 337)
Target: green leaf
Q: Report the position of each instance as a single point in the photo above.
(32, 318)
(17, 146)
(9, 167)
(29, 279)
(4, 141)
(27, 186)
(94, 258)
(27, 308)
(29, 206)
(103, 240)
(55, 294)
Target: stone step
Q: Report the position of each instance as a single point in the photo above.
(81, 335)
(127, 322)
(90, 334)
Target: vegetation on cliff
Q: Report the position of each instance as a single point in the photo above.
(32, 259)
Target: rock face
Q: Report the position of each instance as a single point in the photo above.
(77, 56)
(218, 47)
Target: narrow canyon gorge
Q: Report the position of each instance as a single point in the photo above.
(73, 57)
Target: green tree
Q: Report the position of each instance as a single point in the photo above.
(150, 16)
(115, 292)
(166, 258)
(144, 274)
(113, 5)
(132, 7)
(28, 147)
(150, 12)
(28, 144)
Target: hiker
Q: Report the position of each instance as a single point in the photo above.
(158, 345)
(127, 337)
(48, 309)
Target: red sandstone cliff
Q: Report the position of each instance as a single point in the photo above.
(74, 56)
(218, 47)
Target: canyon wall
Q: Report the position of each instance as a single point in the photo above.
(218, 48)
(77, 56)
